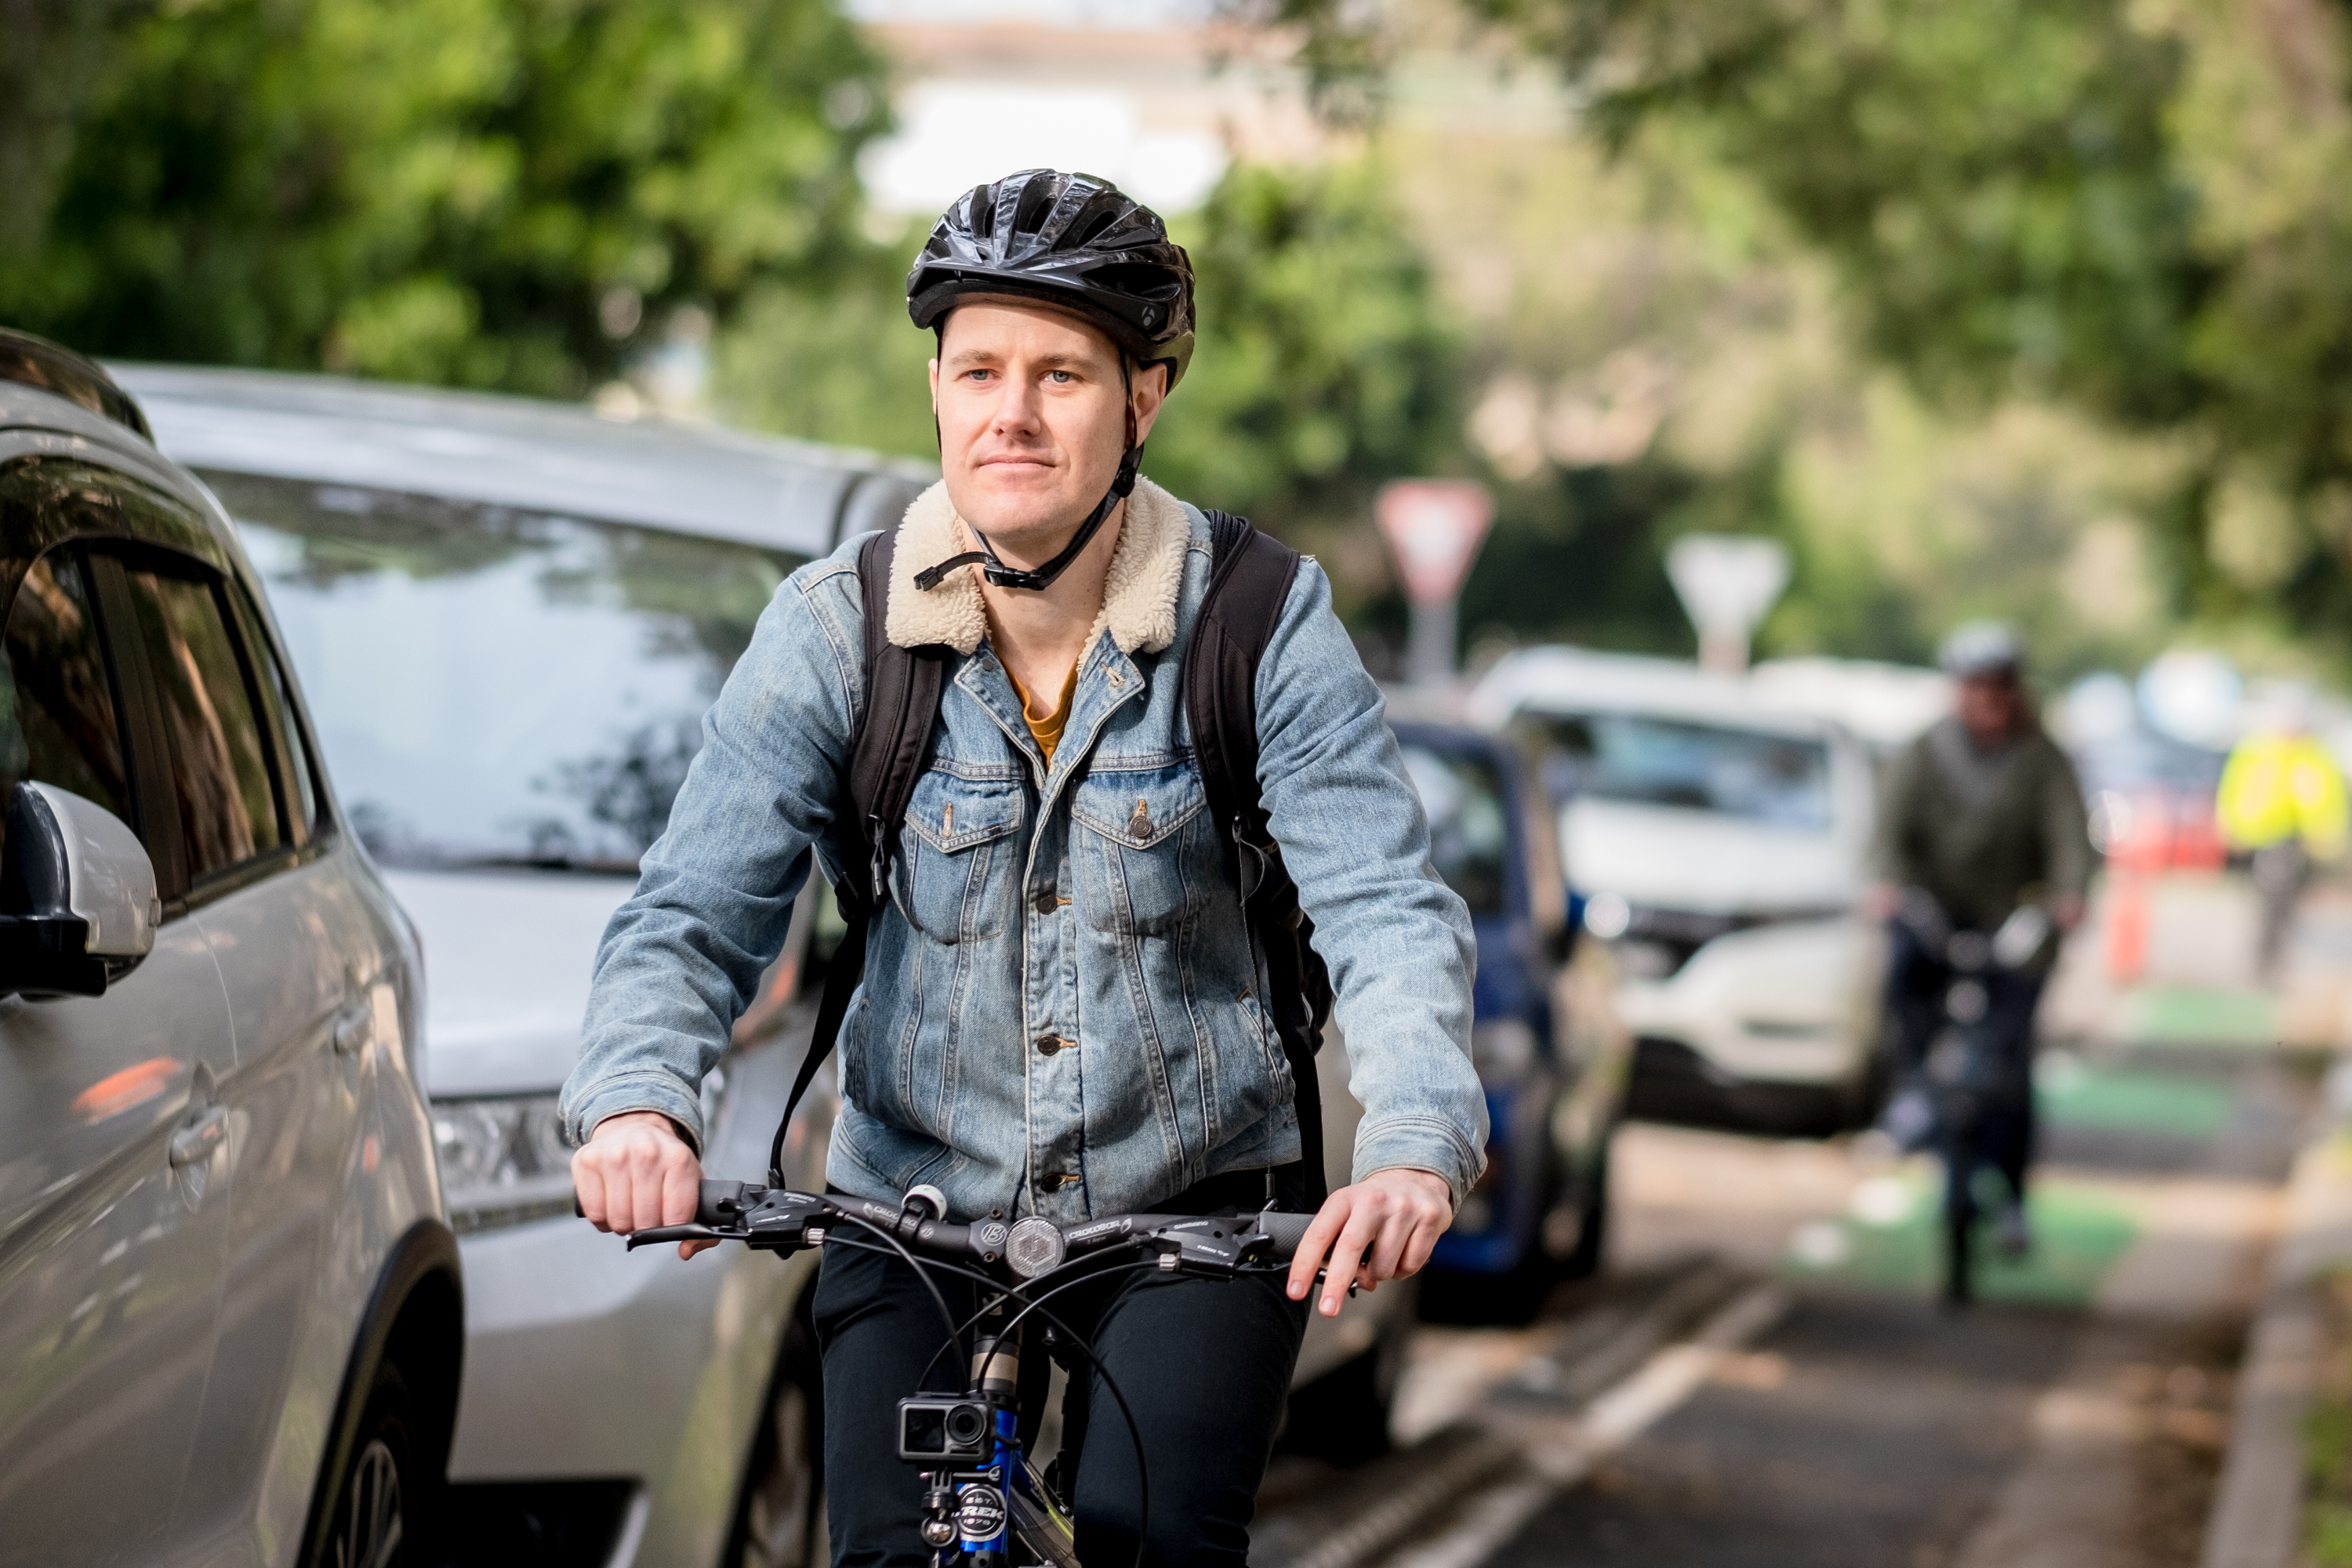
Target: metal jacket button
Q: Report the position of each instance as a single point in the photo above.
(1048, 1044)
(1051, 1180)
(1044, 900)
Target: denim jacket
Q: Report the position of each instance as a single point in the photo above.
(1064, 1011)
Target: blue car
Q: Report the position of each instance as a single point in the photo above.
(1546, 1041)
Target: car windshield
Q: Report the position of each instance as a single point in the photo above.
(1783, 780)
(1468, 834)
(495, 686)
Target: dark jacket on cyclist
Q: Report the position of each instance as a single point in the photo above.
(1981, 828)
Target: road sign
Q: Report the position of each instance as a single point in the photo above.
(1435, 527)
(1725, 583)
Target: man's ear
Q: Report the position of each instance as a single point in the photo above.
(1149, 391)
(935, 386)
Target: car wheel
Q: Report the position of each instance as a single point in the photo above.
(779, 1521)
(373, 1518)
(1343, 1417)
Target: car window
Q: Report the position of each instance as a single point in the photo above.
(1469, 834)
(62, 725)
(277, 706)
(1783, 780)
(495, 685)
(221, 780)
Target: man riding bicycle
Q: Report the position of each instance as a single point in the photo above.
(1980, 815)
(1066, 1010)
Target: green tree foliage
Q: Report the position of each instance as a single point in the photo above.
(490, 193)
(1327, 364)
(2138, 208)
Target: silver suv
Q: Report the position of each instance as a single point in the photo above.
(230, 1318)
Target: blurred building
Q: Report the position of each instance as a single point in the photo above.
(1153, 94)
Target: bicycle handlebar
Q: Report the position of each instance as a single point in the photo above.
(776, 1219)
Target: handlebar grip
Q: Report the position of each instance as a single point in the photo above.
(1287, 1231)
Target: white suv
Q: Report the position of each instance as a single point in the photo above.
(230, 1318)
(1719, 841)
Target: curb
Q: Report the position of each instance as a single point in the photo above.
(2257, 1515)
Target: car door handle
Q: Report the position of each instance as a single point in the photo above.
(195, 1143)
(353, 1025)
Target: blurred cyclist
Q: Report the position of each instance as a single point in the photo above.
(1982, 814)
(1063, 1011)
(2282, 801)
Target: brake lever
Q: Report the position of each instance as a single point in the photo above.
(665, 1233)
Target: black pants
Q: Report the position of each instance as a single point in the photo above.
(1205, 1365)
(1917, 980)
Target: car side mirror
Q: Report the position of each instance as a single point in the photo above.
(78, 904)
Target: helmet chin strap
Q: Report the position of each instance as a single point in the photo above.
(999, 574)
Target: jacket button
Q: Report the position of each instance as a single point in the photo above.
(1045, 901)
(1048, 1044)
(1051, 1181)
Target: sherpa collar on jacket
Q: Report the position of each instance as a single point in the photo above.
(1138, 610)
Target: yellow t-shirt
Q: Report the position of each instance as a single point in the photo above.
(1045, 728)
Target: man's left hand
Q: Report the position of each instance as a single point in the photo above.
(1380, 1228)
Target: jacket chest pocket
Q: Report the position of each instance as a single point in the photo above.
(1140, 865)
(950, 887)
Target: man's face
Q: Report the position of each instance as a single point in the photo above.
(1989, 705)
(1032, 422)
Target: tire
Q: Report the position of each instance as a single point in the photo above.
(376, 1517)
(780, 1511)
(1343, 1417)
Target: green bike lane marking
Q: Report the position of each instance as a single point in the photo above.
(2199, 1014)
(2071, 1092)
(1891, 1238)
(1891, 1235)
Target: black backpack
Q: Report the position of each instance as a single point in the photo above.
(1249, 580)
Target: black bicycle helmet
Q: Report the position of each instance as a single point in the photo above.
(1076, 242)
(1072, 240)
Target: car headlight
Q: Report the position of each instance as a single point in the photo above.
(1503, 1050)
(503, 1160)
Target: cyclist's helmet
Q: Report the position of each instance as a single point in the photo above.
(1071, 240)
(1982, 648)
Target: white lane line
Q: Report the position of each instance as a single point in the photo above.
(1567, 1452)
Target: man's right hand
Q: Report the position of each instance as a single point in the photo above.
(636, 1173)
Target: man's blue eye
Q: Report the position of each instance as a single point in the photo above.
(1059, 374)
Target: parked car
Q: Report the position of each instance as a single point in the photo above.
(513, 615)
(230, 1313)
(1548, 1041)
(1720, 846)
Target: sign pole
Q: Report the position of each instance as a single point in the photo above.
(1437, 633)
(1435, 528)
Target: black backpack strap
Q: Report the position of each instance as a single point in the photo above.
(888, 749)
(1250, 578)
